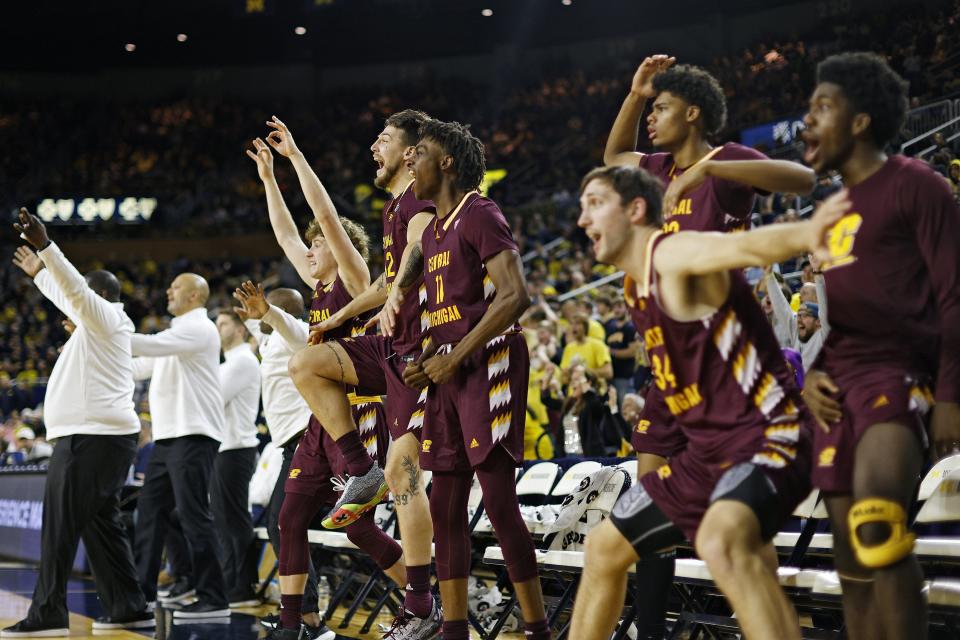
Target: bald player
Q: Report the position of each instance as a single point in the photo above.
(186, 406)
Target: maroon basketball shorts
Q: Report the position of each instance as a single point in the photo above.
(380, 371)
(657, 432)
(868, 396)
(318, 459)
(766, 468)
(482, 407)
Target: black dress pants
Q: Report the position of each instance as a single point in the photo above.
(229, 499)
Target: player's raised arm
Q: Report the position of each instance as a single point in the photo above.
(284, 228)
(622, 142)
(697, 254)
(351, 266)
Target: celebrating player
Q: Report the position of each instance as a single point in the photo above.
(376, 364)
(476, 365)
(723, 379)
(895, 256)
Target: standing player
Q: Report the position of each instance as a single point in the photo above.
(895, 256)
(708, 189)
(725, 382)
(335, 265)
(376, 364)
(476, 366)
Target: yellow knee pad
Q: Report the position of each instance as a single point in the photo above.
(895, 548)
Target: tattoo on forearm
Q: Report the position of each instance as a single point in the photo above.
(381, 281)
(414, 267)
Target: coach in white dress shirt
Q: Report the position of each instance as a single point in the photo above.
(236, 461)
(186, 407)
(89, 414)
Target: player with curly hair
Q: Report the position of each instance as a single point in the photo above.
(893, 256)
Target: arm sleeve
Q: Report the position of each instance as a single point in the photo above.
(48, 287)
(736, 198)
(175, 340)
(94, 312)
(143, 368)
(782, 312)
(293, 331)
(253, 328)
(821, 284)
(937, 224)
(487, 230)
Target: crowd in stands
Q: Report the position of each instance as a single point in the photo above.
(588, 375)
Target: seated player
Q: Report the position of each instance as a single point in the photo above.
(893, 287)
(718, 365)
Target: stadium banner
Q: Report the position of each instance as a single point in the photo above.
(21, 517)
(773, 134)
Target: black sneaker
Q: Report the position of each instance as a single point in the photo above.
(179, 593)
(270, 621)
(323, 632)
(200, 610)
(31, 629)
(287, 634)
(142, 620)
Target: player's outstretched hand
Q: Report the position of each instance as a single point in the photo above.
(945, 429)
(821, 224)
(818, 392)
(32, 230)
(263, 157)
(28, 261)
(687, 181)
(281, 139)
(253, 302)
(643, 78)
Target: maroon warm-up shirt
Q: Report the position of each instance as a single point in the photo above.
(893, 280)
(397, 214)
(459, 291)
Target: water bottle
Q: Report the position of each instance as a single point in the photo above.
(571, 435)
(323, 594)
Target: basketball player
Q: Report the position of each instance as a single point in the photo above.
(335, 265)
(376, 364)
(707, 189)
(718, 364)
(476, 366)
(893, 258)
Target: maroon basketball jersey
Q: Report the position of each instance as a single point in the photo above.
(715, 205)
(459, 291)
(893, 279)
(722, 377)
(397, 214)
(329, 299)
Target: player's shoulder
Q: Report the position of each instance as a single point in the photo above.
(737, 151)
(912, 169)
(655, 163)
(409, 205)
(914, 179)
(480, 207)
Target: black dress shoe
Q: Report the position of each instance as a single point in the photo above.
(142, 620)
(34, 629)
(200, 610)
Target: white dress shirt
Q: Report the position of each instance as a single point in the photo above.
(184, 363)
(240, 384)
(284, 408)
(91, 387)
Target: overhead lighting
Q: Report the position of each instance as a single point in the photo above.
(300, 31)
(130, 47)
(486, 13)
(181, 37)
(566, 3)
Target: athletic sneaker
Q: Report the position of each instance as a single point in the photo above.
(323, 632)
(179, 593)
(288, 634)
(407, 626)
(240, 600)
(200, 610)
(270, 621)
(141, 620)
(360, 494)
(32, 629)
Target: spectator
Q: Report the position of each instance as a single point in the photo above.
(623, 344)
(32, 449)
(585, 350)
(808, 328)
